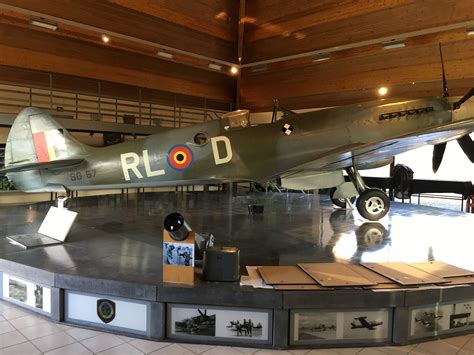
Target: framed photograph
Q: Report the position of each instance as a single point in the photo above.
(425, 321)
(26, 293)
(461, 315)
(209, 322)
(330, 326)
(39, 296)
(17, 290)
(180, 254)
(441, 319)
(315, 326)
(366, 325)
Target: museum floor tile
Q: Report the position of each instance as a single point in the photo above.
(22, 333)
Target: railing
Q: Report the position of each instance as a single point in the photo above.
(74, 105)
(446, 200)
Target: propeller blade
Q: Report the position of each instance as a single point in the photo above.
(467, 146)
(438, 152)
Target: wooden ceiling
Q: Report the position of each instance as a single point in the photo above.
(283, 35)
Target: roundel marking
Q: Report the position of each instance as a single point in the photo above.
(180, 157)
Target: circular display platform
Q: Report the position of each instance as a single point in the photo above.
(113, 256)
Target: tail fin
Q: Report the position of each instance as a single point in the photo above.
(37, 141)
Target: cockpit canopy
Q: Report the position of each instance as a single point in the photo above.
(236, 119)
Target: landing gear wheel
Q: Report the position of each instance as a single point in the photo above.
(373, 204)
(339, 202)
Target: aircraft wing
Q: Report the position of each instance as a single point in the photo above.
(368, 154)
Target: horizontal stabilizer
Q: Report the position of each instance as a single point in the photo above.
(55, 164)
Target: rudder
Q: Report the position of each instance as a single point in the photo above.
(36, 138)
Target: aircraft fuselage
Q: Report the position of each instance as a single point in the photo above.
(177, 157)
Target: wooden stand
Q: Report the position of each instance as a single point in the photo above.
(177, 273)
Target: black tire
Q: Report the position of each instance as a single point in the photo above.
(371, 236)
(373, 204)
(338, 202)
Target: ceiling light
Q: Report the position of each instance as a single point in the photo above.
(393, 44)
(259, 67)
(105, 39)
(164, 54)
(215, 66)
(383, 91)
(470, 31)
(234, 70)
(321, 57)
(47, 25)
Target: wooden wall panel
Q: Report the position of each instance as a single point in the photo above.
(37, 79)
(359, 26)
(282, 18)
(216, 18)
(110, 17)
(355, 79)
(48, 52)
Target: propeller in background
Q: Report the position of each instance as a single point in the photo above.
(465, 142)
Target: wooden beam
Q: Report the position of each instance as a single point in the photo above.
(21, 20)
(240, 47)
(424, 89)
(215, 18)
(392, 21)
(349, 77)
(283, 18)
(374, 49)
(26, 49)
(130, 24)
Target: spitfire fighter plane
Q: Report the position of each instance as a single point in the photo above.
(301, 151)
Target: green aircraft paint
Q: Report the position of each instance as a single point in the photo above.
(41, 155)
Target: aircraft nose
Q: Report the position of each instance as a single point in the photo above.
(465, 112)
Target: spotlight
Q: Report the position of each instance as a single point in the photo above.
(383, 91)
(215, 66)
(164, 54)
(320, 57)
(258, 68)
(393, 44)
(176, 226)
(105, 39)
(470, 31)
(42, 24)
(234, 70)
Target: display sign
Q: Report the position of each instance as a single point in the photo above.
(27, 293)
(114, 313)
(57, 223)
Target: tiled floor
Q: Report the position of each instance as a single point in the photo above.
(24, 333)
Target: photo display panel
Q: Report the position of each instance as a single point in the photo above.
(26, 293)
(244, 325)
(444, 318)
(107, 312)
(334, 326)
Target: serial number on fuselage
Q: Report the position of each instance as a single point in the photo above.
(80, 175)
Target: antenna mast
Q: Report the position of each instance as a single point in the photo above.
(445, 84)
